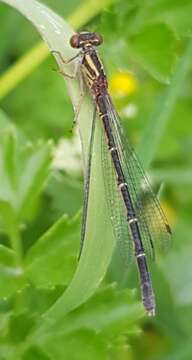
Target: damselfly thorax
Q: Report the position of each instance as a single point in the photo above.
(93, 72)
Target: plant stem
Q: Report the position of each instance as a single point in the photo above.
(22, 68)
(17, 247)
(16, 244)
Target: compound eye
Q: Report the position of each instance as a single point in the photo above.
(98, 39)
(74, 41)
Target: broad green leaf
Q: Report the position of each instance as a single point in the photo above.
(108, 315)
(99, 241)
(79, 345)
(110, 311)
(153, 48)
(97, 250)
(52, 259)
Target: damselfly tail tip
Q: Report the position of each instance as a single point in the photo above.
(151, 312)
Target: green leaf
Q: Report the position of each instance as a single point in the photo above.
(78, 345)
(177, 14)
(11, 272)
(24, 169)
(52, 114)
(99, 241)
(166, 305)
(6, 256)
(97, 250)
(37, 299)
(10, 223)
(7, 165)
(173, 176)
(182, 350)
(11, 280)
(163, 109)
(4, 119)
(51, 261)
(153, 48)
(35, 353)
(179, 278)
(109, 313)
(66, 193)
(33, 172)
(20, 326)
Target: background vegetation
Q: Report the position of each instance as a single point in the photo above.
(147, 51)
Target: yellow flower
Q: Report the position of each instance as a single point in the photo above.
(123, 84)
(170, 213)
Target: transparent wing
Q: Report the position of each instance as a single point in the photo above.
(116, 207)
(153, 225)
(87, 182)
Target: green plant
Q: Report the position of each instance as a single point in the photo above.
(47, 311)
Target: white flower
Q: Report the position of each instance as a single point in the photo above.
(67, 155)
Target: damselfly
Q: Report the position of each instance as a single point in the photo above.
(137, 218)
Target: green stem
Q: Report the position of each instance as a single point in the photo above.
(22, 68)
(161, 114)
(15, 240)
(16, 244)
(34, 57)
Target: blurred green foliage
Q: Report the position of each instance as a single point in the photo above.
(40, 204)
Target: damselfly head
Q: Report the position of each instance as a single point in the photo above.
(85, 39)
